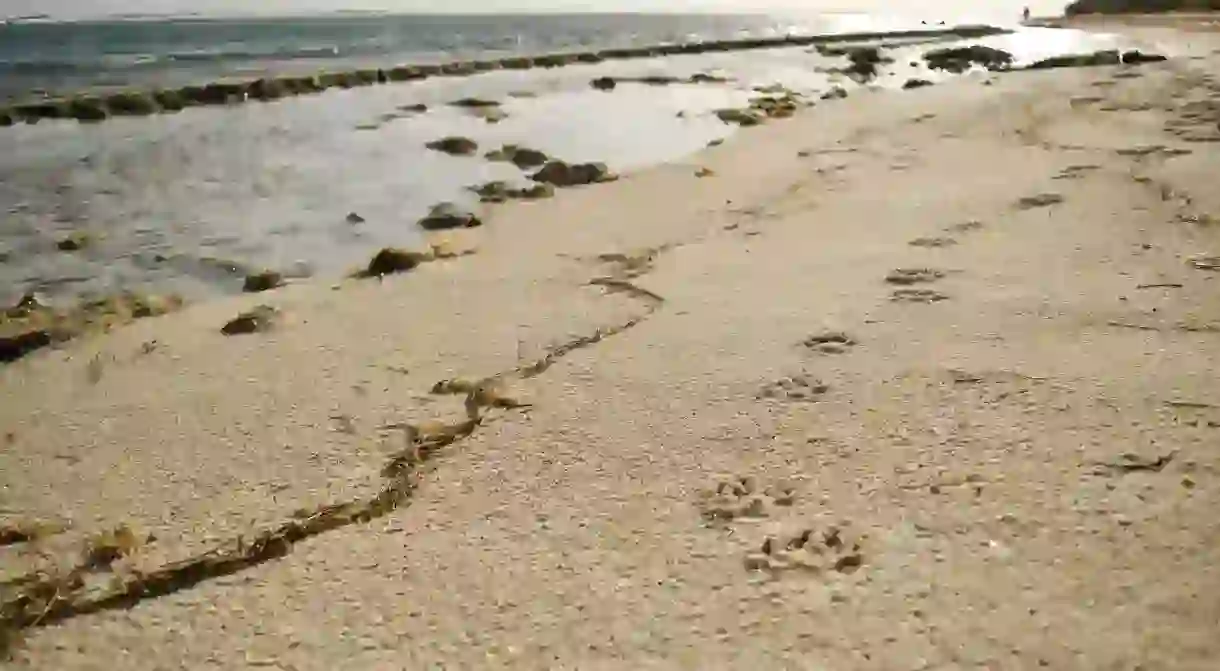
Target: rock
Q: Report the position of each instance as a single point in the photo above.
(131, 104)
(554, 60)
(302, 84)
(491, 192)
(405, 74)
(653, 80)
(775, 107)
(33, 112)
(835, 93)
(740, 117)
(864, 62)
(1110, 57)
(533, 192)
(705, 172)
(353, 218)
(260, 319)
(458, 69)
(516, 63)
(715, 143)
(369, 77)
(522, 157)
(30, 324)
(562, 174)
(267, 89)
(214, 94)
(704, 78)
(454, 145)
(263, 281)
(88, 109)
(395, 260)
(916, 84)
(604, 83)
(1135, 57)
(344, 80)
(469, 103)
(444, 216)
(960, 59)
(75, 241)
(490, 114)
(170, 100)
(589, 57)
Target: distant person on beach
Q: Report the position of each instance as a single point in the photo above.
(1025, 14)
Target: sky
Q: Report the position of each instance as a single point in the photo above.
(86, 8)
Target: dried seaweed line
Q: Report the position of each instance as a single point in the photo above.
(44, 600)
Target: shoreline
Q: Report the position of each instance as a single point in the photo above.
(89, 108)
(978, 406)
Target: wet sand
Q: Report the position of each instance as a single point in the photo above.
(920, 384)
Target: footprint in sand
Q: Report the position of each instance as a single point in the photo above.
(965, 227)
(800, 388)
(933, 242)
(810, 551)
(740, 497)
(831, 342)
(906, 276)
(917, 296)
(1039, 200)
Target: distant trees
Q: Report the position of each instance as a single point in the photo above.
(1139, 6)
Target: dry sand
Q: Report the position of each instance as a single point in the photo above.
(1003, 462)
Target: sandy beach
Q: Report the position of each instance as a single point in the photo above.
(910, 380)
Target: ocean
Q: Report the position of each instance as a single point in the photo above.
(188, 202)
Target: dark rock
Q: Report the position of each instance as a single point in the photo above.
(405, 73)
(263, 281)
(589, 57)
(1097, 58)
(33, 112)
(458, 69)
(302, 84)
(704, 78)
(776, 107)
(170, 100)
(475, 103)
(369, 77)
(960, 59)
(864, 62)
(88, 109)
(485, 66)
(604, 83)
(353, 218)
(562, 174)
(415, 109)
(393, 260)
(131, 104)
(533, 192)
(652, 80)
(32, 325)
(6, 118)
(73, 242)
(260, 319)
(522, 157)
(741, 117)
(1135, 57)
(516, 63)
(555, 60)
(491, 192)
(454, 145)
(214, 94)
(916, 84)
(267, 89)
(835, 93)
(345, 80)
(444, 216)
